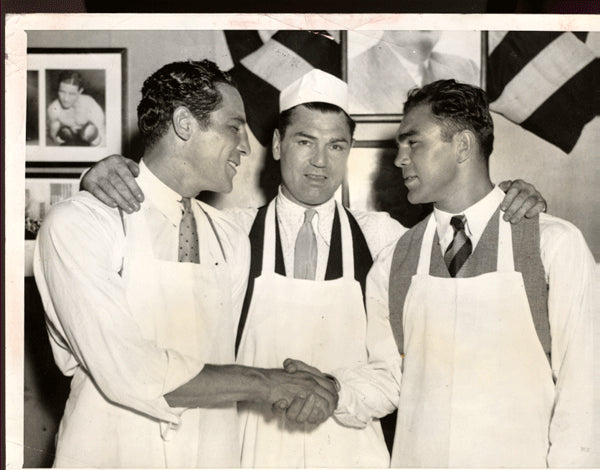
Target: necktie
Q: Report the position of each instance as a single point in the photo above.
(460, 248)
(305, 250)
(189, 251)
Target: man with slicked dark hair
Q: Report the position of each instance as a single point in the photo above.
(142, 308)
(493, 320)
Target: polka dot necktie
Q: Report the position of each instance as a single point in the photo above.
(189, 251)
(460, 248)
(305, 250)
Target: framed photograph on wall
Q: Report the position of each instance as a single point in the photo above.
(382, 66)
(42, 191)
(75, 104)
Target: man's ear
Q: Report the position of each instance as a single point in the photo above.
(465, 145)
(276, 145)
(183, 122)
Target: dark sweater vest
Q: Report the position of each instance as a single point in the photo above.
(527, 259)
(361, 255)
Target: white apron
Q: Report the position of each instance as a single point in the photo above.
(322, 323)
(181, 306)
(477, 388)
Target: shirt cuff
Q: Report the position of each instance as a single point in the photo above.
(345, 412)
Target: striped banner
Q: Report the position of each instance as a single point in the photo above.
(547, 82)
(263, 69)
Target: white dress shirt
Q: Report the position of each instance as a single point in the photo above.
(379, 229)
(478, 216)
(79, 254)
(569, 268)
(370, 390)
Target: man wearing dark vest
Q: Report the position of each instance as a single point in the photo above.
(493, 321)
(309, 262)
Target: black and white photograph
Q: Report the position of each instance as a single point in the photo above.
(74, 103)
(303, 241)
(384, 65)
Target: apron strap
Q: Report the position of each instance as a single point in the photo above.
(426, 245)
(506, 260)
(363, 261)
(257, 239)
(347, 242)
(270, 238)
(212, 225)
(335, 268)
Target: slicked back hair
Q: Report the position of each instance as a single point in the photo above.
(191, 84)
(71, 77)
(457, 106)
(285, 118)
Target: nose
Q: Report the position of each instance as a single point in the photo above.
(244, 145)
(402, 158)
(319, 157)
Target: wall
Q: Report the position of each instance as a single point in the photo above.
(568, 182)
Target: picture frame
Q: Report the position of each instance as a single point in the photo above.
(383, 65)
(373, 182)
(42, 191)
(76, 104)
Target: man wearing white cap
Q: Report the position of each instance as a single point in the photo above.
(309, 262)
(305, 299)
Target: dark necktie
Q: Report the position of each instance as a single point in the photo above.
(189, 251)
(460, 248)
(305, 250)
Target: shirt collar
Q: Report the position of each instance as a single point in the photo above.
(478, 215)
(293, 212)
(162, 196)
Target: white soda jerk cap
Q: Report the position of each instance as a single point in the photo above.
(316, 85)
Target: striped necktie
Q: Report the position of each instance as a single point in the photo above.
(305, 250)
(460, 248)
(189, 250)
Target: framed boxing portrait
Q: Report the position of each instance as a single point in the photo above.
(381, 67)
(75, 104)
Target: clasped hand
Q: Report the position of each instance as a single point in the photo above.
(303, 393)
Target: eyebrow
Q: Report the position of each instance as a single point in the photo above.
(305, 135)
(240, 119)
(405, 135)
(312, 137)
(339, 139)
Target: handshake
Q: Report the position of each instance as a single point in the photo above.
(302, 393)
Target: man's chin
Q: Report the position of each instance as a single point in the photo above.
(413, 198)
